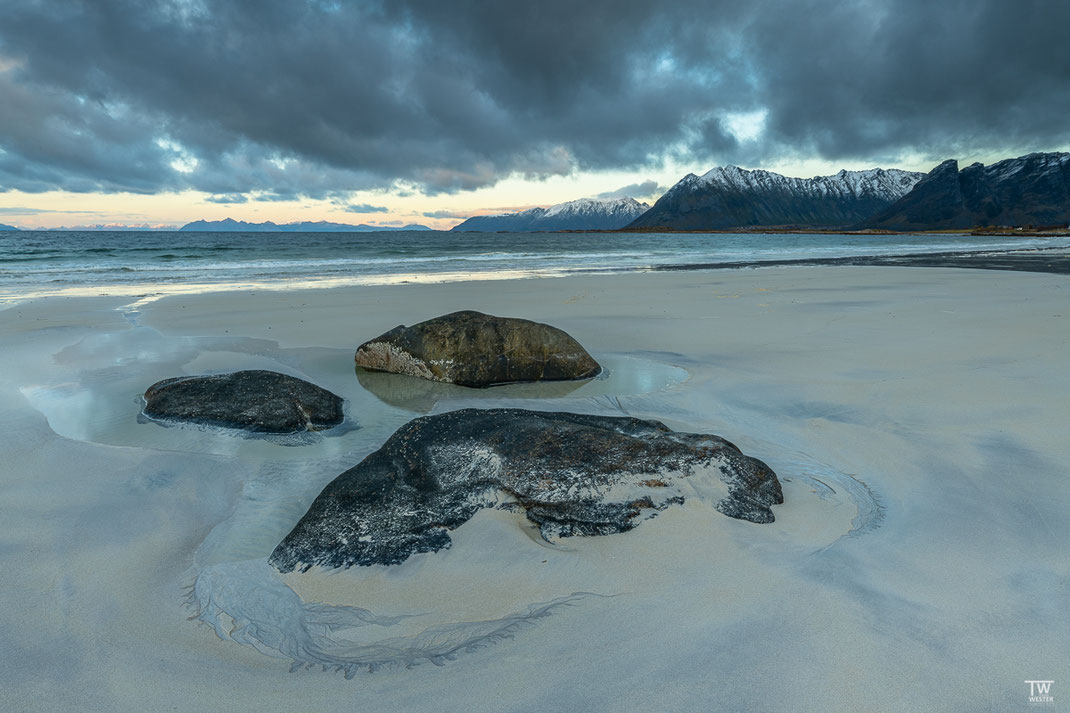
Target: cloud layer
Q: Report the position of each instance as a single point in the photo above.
(284, 99)
(645, 189)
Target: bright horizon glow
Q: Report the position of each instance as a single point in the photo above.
(61, 209)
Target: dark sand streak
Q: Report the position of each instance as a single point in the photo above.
(1023, 260)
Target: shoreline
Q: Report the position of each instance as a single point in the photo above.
(1055, 260)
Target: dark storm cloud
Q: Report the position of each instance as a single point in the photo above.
(945, 79)
(635, 190)
(366, 208)
(285, 99)
(22, 210)
(447, 214)
(228, 198)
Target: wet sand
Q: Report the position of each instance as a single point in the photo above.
(915, 416)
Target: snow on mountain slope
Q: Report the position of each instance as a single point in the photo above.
(582, 214)
(888, 183)
(730, 197)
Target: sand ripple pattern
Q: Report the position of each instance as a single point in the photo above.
(831, 483)
(245, 602)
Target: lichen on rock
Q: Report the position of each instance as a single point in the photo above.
(569, 474)
(475, 349)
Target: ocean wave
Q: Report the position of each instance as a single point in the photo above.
(113, 260)
(315, 264)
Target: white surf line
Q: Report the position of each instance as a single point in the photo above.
(159, 291)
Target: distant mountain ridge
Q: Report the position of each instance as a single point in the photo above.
(230, 225)
(732, 197)
(582, 214)
(7, 227)
(1028, 190)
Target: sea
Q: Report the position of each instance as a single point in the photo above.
(75, 263)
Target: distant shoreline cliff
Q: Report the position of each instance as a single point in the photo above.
(230, 225)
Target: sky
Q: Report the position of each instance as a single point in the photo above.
(156, 113)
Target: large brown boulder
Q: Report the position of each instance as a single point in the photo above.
(256, 400)
(475, 349)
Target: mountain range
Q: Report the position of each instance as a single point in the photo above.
(731, 197)
(1016, 192)
(230, 225)
(1028, 190)
(582, 214)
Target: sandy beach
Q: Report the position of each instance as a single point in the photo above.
(916, 417)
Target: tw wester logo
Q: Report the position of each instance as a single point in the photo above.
(1040, 692)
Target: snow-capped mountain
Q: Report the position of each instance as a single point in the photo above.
(731, 197)
(1028, 190)
(582, 214)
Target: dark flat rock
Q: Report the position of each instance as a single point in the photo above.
(570, 474)
(258, 401)
(475, 349)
